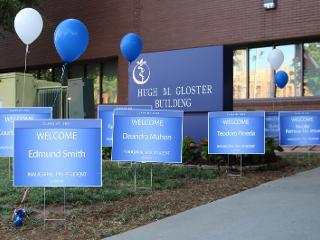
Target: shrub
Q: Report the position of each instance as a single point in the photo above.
(211, 159)
(197, 153)
(106, 153)
(190, 151)
(270, 155)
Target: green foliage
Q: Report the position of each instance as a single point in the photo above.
(106, 153)
(190, 151)
(270, 156)
(207, 158)
(9, 9)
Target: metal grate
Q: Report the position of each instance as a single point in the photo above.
(55, 97)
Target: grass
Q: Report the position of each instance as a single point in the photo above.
(117, 184)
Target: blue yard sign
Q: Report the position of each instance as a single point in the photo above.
(105, 113)
(147, 136)
(299, 128)
(236, 132)
(58, 153)
(272, 125)
(7, 118)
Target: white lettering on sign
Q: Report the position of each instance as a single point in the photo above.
(6, 133)
(145, 137)
(56, 154)
(236, 133)
(147, 92)
(15, 118)
(236, 121)
(147, 122)
(53, 136)
(172, 103)
(194, 90)
(302, 119)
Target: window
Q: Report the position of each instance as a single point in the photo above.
(103, 74)
(46, 74)
(240, 74)
(253, 76)
(292, 65)
(312, 69)
(109, 82)
(76, 71)
(93, 72)
(260, 73)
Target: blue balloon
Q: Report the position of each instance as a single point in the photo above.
(71, 39)
(21, 213)
(18, 221)
(131, 46)
(281, 79)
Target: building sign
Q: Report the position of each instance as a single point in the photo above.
(299, 128)
(147, 136)
(272, 125)
(57, 153)
(8, 116)
(236, 132)
(192, 80)
(105, 113)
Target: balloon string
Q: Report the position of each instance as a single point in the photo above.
(22, 201)
(24, 73)
(61, 78)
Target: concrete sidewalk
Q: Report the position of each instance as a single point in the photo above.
(285, 209)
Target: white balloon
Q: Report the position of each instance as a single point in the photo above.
(28, 25)
(275, 58)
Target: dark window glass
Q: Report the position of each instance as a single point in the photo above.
(76, 71)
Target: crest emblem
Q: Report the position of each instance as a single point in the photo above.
(141, 72)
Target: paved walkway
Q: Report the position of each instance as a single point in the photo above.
(285, 209)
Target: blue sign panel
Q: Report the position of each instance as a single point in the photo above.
(147, 136)
(192, 80)
(236, 132)
(7, 118)
(272, 125)
(57, 153)
(299, 128)
(105, 113)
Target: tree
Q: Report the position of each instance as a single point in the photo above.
(9, 9)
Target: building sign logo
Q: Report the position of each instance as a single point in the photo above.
(141, 72)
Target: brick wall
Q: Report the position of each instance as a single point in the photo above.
(165, 25)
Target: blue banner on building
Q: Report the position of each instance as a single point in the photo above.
(147, 136)
(7, 118)
(236, 132)
(180, 80)
(58, 153)
(272, 125)
(105, 113)
(299, 128)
